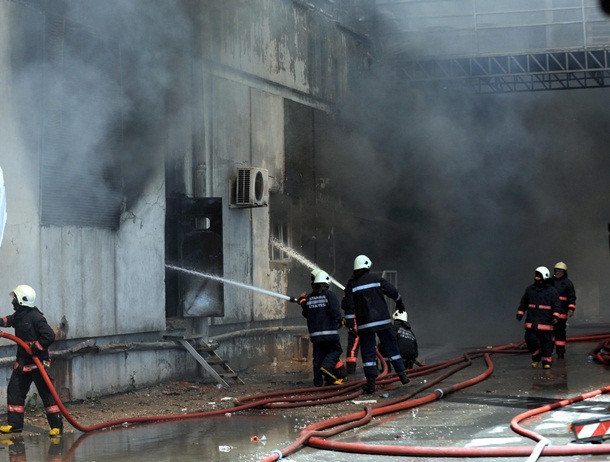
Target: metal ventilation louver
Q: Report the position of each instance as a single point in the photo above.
(252, 187)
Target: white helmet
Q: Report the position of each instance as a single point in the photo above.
(362, 261)
(321, 277)
(25, 295)
(314, 273)
(544, 271)
(400, 316)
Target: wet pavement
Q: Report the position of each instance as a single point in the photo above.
(478, 416)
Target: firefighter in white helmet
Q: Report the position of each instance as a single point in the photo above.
(364, 297)
(321, 309)
(540, 305)
(407, 342)
(567, 297)
(30, 326)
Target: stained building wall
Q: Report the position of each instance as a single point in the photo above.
(193, 105)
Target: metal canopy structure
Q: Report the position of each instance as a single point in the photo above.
(497, 46)
(513, 73)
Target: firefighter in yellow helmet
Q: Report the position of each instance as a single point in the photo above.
(30, 326)
(567, 297)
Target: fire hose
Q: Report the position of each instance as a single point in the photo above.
(257, 401)
(601, 353)
(314, 437)
(314, 434)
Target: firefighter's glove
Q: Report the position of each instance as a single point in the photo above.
(519, 316)
(302, 298)
(36, 348)
(400, 306)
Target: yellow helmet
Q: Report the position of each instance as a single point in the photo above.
(561, 265)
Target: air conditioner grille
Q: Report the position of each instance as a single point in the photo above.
(243, 186)
(252, 187)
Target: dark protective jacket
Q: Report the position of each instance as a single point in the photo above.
(567, 295)
(321, 309)
(540, 304)
(364, 297)
(407, 343)
(30, 326)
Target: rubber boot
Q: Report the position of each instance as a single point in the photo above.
(9, 429)
(403, 377)
(369, 388)
(351, 368)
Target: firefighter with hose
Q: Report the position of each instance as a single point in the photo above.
(321, 309)
(30, 326)
(364, 297)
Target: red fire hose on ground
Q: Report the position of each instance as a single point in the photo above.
(307, 398)
(314, 435)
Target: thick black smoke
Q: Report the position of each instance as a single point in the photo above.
(465, 194)
(101, 90)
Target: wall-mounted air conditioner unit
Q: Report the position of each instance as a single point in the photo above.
(251, 187)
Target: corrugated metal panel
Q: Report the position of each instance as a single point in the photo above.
(78, 184)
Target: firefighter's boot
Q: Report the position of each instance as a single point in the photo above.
(351, 367)
(403, 377)
(9, 429)
(369, 388)
(55, 432)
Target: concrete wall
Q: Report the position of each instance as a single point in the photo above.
(109, 284)
(257, 55)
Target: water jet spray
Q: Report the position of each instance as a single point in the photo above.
(301, 259)
(228, 281)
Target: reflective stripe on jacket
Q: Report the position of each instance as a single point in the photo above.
(364, 297)
(567, 294)
(321, 309)
(540, 304)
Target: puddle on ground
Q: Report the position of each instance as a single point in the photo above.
(217, 439)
